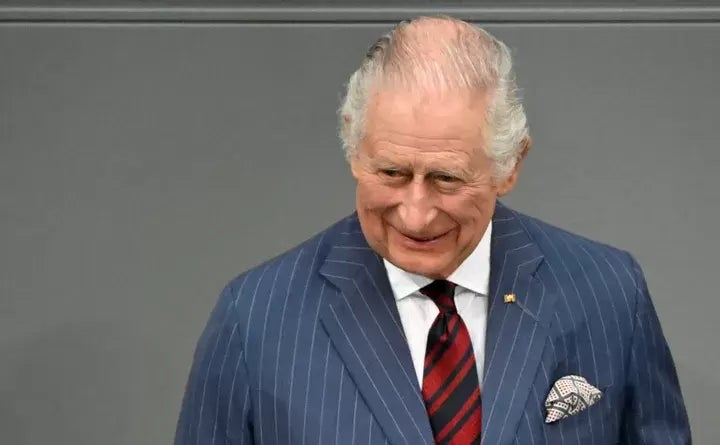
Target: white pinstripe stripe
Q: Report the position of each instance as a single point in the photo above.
(554, 349)
(312, 347)
(560, 323)
(346, 262)
(512, 398)
(532, 337)
(630, 309)
(355, 405)
(640, 294)
(582, 306)
(209, 366)
(633, 323)
(372, 382)
(382, 331)
(370, 430)
(339, 406)
(297, 337)
(565, 300)
(637, 377)
(322, 399)
(508, 235)
(222, 368)
(654, 335)
(547, 377)
(653, 381)
(602, 324)
(252, 305)
(502, 324)
(567, 352)
(542, 405)
(517, 330)
(630, 274)
(377, 289)
(529, 427)
(520, 304)
(341, 277)
(560, 430)
(658, 376)
(241, 357)
(395, 320)
(637, 329)
(397, 359)
(562, 331)
(262, 345)
(277, 355)
(615, 312)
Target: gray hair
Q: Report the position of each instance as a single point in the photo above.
(468, 59)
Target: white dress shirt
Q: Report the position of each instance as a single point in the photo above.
(417, 312)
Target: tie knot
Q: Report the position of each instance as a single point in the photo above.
(442, 293)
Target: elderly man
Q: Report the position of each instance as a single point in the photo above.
(435, 314)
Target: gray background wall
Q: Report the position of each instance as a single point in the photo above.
(151, 152)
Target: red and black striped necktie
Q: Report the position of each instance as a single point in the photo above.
(450, 382)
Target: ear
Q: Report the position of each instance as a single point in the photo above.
(506, 185)
(354, 167)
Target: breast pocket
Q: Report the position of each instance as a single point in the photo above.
(598, 424)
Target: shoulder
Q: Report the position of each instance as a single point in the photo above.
(578, 258)
(298, 263)
(596, 286)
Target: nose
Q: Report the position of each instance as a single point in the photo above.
(417, 209)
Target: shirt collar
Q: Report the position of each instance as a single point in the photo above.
(472, 274)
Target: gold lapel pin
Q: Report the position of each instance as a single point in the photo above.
(510, 298)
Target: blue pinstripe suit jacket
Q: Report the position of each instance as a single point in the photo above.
(308, 348)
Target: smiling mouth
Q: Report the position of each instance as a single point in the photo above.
(424, 239)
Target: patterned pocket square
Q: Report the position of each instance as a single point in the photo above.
(570, 395)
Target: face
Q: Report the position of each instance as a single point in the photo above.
(425, 188)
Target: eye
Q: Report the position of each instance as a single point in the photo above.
(446, 178)
(391, 173)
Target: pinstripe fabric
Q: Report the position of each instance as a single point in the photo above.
(308, 348)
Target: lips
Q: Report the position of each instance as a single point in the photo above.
(424, 239)
(421, 244)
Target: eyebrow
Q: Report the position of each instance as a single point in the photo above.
(458, 172)
(453, 170)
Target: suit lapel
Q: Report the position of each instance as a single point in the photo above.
(516, 332)
(365, 328)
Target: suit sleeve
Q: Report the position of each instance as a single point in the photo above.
(655, 412)
(216, 407)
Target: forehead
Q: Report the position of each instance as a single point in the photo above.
(411, 122)
(447, 115)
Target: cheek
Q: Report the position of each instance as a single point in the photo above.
(374, 196)
(469, 206)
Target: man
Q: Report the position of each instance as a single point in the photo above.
(435, 314)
